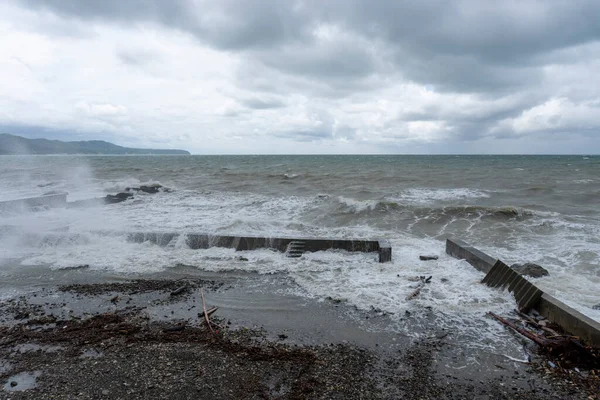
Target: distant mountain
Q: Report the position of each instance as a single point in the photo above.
(11, 144)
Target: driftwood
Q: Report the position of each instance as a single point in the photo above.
(536, 324)
(530, 335)
(211, 310)
(179, 290)
(565, 350)
(206, 317)
(416, 292)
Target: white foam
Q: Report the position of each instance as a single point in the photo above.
(424, 196)
(357, 205)
(584, 181)
(558, 243)
(356, 277)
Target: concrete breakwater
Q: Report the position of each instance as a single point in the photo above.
(530, 296)
(204, 241)
(48, 200)
(59, 200)
(294, 247)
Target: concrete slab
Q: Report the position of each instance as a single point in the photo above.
(570, 319)
(462, 250)
(527, 294)
(50, 200)
(204, 241)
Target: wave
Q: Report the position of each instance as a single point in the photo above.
(465, 211)
(502, 213)
(426, 196)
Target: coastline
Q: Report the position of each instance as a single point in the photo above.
(135, 339)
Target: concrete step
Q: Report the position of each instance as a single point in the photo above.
(295, 249)
(502, 276)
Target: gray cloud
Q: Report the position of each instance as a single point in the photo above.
(305, 135)
(137, 57)
(488, 69)
(467, 45)
(264, 103)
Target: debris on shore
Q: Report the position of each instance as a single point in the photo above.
(73, 342)
(565, 355)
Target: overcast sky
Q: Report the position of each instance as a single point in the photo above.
(310, 76)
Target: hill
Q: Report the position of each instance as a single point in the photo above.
(11, 144)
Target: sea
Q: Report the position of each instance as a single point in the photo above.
(539, 209)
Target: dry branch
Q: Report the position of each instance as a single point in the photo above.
(540, 341)
(206, 317)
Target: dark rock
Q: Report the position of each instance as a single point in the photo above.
(13, 383)
(530, 269)
(81, 266)
(427, 258)
(117, 198)
(240, 258)
(150, 189)
(596, 307)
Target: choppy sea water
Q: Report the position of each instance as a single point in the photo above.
(541, 209)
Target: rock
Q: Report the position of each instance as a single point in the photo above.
(105, 392)
(529, 269)
(13, 383)
(427, 258)
(596, 307)
(117, 198)
(81, 266)
(240, 258)
(150, 189)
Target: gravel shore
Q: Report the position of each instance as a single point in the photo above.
(144, 339)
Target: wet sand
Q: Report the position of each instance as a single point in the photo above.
(134, 339)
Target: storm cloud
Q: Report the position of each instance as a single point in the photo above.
(345, 76)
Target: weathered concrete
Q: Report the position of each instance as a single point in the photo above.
(204, 241)
(501, 275)
(553, 309)
(464, 251)
(385, 251)
(570, 319)
(50, 200)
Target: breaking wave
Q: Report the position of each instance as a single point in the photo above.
(347, 205)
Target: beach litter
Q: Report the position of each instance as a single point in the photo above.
(565, 352)
(423, 281)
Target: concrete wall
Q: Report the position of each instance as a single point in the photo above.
(570, 319)
(203, 241)
(554, 310)
(51, 200)
(385, 251)
(464, 251)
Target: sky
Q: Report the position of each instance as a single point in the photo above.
(306, 76)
